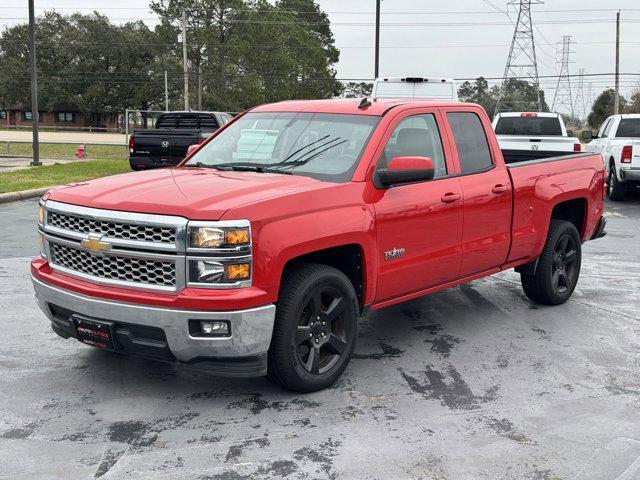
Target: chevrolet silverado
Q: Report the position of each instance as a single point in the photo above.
(259, 253)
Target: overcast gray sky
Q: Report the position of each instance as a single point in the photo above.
(457, 38)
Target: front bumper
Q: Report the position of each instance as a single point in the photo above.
(243, 353)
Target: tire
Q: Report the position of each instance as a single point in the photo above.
(615, 188)
(558, 266)
(315, 328)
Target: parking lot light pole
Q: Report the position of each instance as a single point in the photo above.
(34, 86)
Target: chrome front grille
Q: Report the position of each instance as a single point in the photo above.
(115, 267)
(112, 229)
(122, 249)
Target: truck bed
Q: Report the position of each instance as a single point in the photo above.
(535, 181)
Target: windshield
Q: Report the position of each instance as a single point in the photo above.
(629, 128)
(537, 126)
(323, 146)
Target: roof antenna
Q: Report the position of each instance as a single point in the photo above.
(364, 103)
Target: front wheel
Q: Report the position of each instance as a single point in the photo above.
(615, 188)
(558, 266)
(315, 329)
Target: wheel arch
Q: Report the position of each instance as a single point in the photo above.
(347, 258)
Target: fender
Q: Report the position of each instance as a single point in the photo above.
(307, 222)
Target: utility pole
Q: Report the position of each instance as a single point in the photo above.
(562, 96)
(166, 92)
(184, 60)
(616, 105)
(200, 86)
(34, 86)
(521, 62)
(377, 60)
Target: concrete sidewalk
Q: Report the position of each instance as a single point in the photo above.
(65, 137)
(9, 164)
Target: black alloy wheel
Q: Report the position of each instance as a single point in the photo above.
(564, 271)
(322, 332)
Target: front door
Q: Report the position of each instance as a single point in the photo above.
(419, 226)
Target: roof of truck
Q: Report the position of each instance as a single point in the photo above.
(348, 105)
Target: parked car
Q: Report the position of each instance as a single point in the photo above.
(166, 144)
(260, 252)
(618, 141)
(534, 134)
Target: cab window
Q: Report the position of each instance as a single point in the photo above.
(471, 141)
(416, 136)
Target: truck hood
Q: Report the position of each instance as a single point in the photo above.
(194, 193)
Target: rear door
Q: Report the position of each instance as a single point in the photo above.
(419, 225)
(486, 189)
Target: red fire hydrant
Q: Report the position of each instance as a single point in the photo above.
(80, 153)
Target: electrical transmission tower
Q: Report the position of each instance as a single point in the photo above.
(579, 105)
(563, 98)
(521, 62)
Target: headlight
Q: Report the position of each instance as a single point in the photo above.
(41, 213)
(234, 235)
(219, 254)
(220, 271)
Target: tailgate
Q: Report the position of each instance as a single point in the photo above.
(546, 144)
(164, 142)
(635, 154)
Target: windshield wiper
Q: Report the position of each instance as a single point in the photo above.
(250, 167)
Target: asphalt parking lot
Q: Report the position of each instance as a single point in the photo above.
(475, 382)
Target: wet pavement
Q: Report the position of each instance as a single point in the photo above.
(475, 382)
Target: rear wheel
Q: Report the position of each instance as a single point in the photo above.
(315, 330)
(615, 188)
(558, 266)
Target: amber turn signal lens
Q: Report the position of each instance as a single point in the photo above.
(41, 214)
(239, 271)
(237, 236)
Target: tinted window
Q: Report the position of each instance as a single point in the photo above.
(471, 141)
(416, 136)
(629, 127)
(528, 126)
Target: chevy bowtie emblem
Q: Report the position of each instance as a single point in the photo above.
(94, 245)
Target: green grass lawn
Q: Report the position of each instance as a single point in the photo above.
(58, 174)
(65, 150)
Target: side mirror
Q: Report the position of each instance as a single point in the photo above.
(405, 170)
(587, 135)
(192, 148)
(569, 133)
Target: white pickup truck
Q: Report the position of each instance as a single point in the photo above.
(539, 133)
(618, 141)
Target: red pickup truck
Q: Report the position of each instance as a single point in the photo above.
(259, 253)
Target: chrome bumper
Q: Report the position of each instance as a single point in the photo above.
(251, 329)
(630, 174)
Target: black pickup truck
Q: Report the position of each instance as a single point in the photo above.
(166, 144)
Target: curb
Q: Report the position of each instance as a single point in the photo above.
(23, 194)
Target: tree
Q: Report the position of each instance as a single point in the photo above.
(604, 107)
(633, 106)
(516, 94)
(86, 63)
(357, 89)
(256, 52)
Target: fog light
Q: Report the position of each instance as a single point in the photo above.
(214, 327)
(209, 328)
